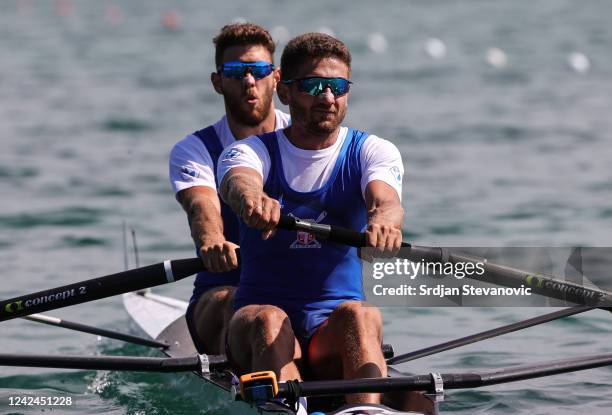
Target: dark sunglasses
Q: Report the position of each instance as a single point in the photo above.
(314, 85)
(238, 70)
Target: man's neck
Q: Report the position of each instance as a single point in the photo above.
(306, 140)
(241, 131)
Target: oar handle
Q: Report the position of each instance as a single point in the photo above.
(329, 232)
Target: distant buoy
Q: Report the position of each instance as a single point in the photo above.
(497, 58)
(579, 62)
(171, 20)
(327, 30)
(24, 5)
(64, 8)
(435, 48)
(280, 34)
(377, 42)
(113, 15)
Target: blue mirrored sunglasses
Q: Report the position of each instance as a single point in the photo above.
(238, 69)
(314, 85)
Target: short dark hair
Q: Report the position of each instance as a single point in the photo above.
(310, 46)
(241, 34)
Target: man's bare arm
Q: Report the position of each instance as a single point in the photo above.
(385, 216)
(242, 190)
(203, 209)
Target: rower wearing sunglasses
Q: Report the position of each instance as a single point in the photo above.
(300, 304)
(246, 79)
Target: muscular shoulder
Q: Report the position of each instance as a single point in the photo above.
(250, 152)
(381, 160)
(190, 147)
(376, 148)
(190, 165)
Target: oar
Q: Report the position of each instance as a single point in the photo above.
(434, 381)
(493, 273)
(71, 325)
(197, 363)
(498, 331)
(97, 288)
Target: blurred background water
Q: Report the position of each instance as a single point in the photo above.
(501, 111)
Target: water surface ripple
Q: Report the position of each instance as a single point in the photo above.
(518, 156)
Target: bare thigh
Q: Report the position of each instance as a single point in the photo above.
(336, 341)
(211, 317)
(250, 336)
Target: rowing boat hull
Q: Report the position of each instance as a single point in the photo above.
(163, 319)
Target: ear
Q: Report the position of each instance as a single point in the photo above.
(283, 93)
(215, 79)
(282, 90)
(276, 77)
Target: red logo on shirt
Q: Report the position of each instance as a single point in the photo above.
(305, 239)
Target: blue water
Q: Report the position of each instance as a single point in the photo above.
(89, 110)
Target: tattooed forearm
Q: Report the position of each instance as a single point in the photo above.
(238, 184)
(203, 213)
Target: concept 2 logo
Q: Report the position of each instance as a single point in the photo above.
(564, 288)
(21, 305)
(539, 282)
(9, 308)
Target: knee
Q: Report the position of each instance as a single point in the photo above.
(223, 295)
(271, 319)
(359, 313)
(216, 299)
(241, 321)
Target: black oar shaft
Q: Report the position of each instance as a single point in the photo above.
(71, 325)
(516, 278)
(138, 364)
(556, 367)
(450, 380)
(498, 331)
(97, 288)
